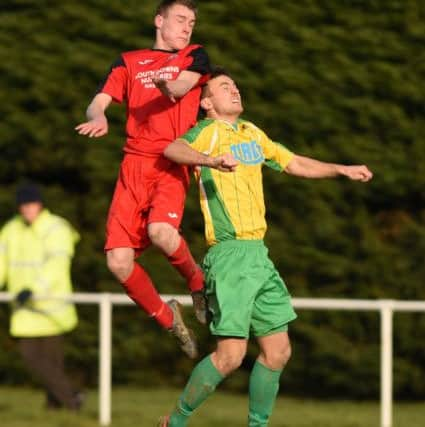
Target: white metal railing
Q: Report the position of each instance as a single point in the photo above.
(386, 308)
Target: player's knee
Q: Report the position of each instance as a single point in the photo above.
(162, 234)
(229, 362)
(285, 354)
(120, 266)
(278, 356)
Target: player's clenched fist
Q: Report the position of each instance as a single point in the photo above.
(357, 173)
(225, 163)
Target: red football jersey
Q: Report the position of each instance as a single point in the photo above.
(153, 120)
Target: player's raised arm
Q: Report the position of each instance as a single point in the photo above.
(311, 168)
(175, 89)
(97, 124)
(195, 74)
(180, 152)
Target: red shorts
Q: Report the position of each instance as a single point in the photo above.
(148, 189)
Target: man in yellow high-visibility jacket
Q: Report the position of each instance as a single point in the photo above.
(36, 248)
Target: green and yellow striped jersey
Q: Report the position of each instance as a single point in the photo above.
(233, 203)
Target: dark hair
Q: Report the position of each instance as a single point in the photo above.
(215, 71)
(166, 4)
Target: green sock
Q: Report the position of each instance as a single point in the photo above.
(203, 381)
(263, 388)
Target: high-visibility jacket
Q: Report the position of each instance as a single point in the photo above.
(38, 257)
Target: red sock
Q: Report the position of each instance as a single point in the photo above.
(140, 289)
(184, 263)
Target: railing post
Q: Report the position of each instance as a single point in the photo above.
(386, 363)
(105, 324)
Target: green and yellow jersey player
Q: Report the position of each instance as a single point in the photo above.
(233, 204)
(246, 295)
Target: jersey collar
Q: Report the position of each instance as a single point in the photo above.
(164, 50)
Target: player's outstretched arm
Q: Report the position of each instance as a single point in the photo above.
(180, 152)
(175, 89)
(97, 124)
(311, 168)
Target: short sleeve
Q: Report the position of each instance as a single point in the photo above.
(115, 83)
(277, 156)
(201, 62)
(202, 136)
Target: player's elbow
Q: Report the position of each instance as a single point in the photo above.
(295, 166)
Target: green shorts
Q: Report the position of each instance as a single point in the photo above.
(244, 290)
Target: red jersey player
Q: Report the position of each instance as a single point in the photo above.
(161, 87)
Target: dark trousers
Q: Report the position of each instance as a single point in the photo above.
(45, 359)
